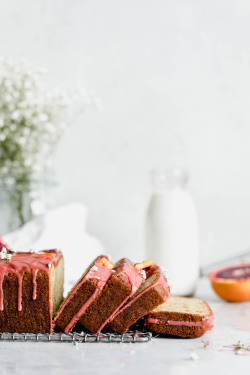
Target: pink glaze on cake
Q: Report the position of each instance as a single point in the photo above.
(98, 272)
(205, 322)
(153, 321)
(21, 262)
(135, 279)
(160, 281)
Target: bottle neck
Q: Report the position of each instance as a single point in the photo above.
(169, 179)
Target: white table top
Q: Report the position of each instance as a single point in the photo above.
(161, 355)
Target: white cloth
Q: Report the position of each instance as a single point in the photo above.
(62, 228)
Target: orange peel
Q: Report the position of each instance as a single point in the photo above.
(143, 265)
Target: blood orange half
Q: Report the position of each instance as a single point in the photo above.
(232, 283)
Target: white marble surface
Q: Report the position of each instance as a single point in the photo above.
(161, 355)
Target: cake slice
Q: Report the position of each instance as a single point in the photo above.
(84, 292)
(31, 289)
(153, 292)
(120, 287)
(181, 316)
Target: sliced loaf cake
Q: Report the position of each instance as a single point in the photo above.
(119, 288)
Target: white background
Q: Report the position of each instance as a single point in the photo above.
(173, 78)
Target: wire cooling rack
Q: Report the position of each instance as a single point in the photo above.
(75, 338)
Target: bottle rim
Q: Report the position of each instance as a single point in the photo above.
(169, 177)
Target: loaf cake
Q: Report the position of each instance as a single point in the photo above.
(31, 289)
(124, 282)
(153, 292)
(181, 316)
(84, 292)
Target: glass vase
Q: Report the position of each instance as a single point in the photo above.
(19, 203)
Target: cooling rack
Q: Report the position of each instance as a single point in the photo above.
(75, 338)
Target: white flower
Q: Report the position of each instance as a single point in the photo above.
(50, 127)
(21, 141)
(13, 127)
(43, 114)
(22, 105)
(4, 170)
(8, 83)
(15, 94)
(7, 98)
(43, 117)
(2, 137)
(15, 115)
(194, 356)
(27, 162)
(27, 114)
(29, 95)
(26, 131)
(27, 85)
(9, 180)
(5, 256)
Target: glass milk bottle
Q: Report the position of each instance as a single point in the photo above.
(172, 230)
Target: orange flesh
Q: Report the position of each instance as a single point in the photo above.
(106, 263)
(52, 255)
(146, 264)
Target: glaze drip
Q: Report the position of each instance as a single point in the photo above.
(1, 292)
(34, 274)
(22, 262)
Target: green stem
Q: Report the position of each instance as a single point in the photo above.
(20, 206)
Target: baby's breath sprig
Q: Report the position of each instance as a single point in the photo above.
(32, 120)
(239, 348)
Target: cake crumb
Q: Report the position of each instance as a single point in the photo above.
(194, 356)
(205, 344)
